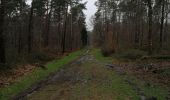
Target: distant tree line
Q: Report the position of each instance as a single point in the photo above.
(139, 24)
(44, 25)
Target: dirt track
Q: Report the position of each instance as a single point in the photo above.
(85, 79)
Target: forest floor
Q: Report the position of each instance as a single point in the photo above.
(94, 77)
(18, 79)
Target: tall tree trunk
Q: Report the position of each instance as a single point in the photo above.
(21, 28)
(162, 24)
(138, 19)
(20, 40)
(30, 28)
(71, 30)
(142, 33)
(150, 27)
(65, 27)
(2, 42)
(48, 28)
(165, 37)
(59, 27)
(48, 22)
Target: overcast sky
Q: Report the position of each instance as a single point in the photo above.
(91, 9)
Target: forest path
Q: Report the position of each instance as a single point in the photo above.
(85, 79)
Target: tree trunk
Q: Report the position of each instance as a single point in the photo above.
(150, 27)
(162, 24)
(21, 28)
(71, 31)
(64, 33)
(59, 28)
(2, 42)
(48, 22)
(30, 28)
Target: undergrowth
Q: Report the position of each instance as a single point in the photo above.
(39, 74)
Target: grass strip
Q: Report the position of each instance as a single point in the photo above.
(39, 74)
(150, 91)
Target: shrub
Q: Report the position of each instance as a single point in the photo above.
(4, 67)
(133, 54)
(163, 72)
(107, 50)
(38, 57)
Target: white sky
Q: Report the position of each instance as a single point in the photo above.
(91, 9)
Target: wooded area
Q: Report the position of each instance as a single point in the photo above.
(132, 24)
(42, 26)
(47, 50)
